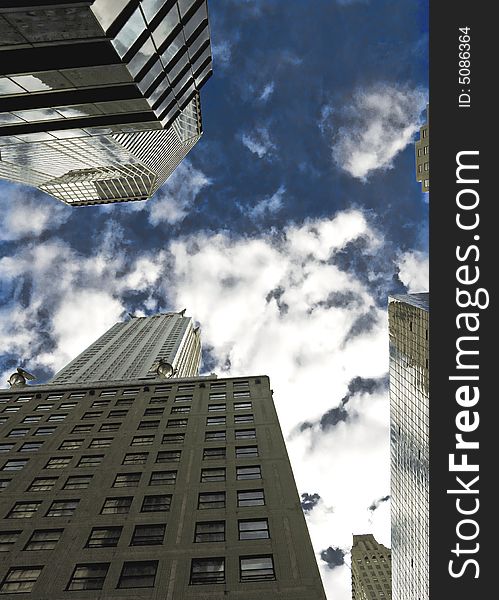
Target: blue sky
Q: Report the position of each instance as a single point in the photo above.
(282, 233)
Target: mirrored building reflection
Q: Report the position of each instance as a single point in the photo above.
(408, 318)
(99, 101)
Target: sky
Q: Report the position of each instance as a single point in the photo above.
(283, 232)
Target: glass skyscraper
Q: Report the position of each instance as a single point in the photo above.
(99, 100)
(408, 318)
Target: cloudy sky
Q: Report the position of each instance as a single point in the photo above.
(283, 233)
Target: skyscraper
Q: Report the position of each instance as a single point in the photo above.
(422, 150)
(99, 100)
(408, 319)
(371, 569)
(179, 488)
(134, 348)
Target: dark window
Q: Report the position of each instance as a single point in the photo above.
(67, 405)
(44, 539)
(62, 508)
(90, 460)
(186, 387)
(158, 400)
(159, 503)
(88, 577)
(137, 458)
(101, 443)
(32, 419)
(216, 407)
(219, 385)
(246, 451)
(77, 395)
(250, 498)
(106, 393)
(44, 407)
(256, 568)
(57, 418)
(208, 500)
(30, 446)
(82, 428)
(71, 444)
(183, 399)
(45, 430)
(142, 440)
(109, 427)
(4, 483)
(163, 477)
(18, 432)
(148, 535)
(177, 423)
(15, 465)
(92, 414)
(180, 409)
(77, 482)
(240, 384)
(20, 579)
(154, 411)
(243, 419)
(210, 531)
(8, 539)
(148, 425)
(173, 438)
(115, 414)
(215, 420)
(245, 434)
(253, 472)
(213, 453)
(138, 574)
(168, 456)
(124, 402)
(242, 394)
(104, 537)
(127, 480)
(23, 510)
(6, 447)
(116, 506)
(216, 436)
(254, 529)
(207, 571)
(42, 484)
(100, 404)
(58, 462)
(208, 475)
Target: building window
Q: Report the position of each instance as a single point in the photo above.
(253, 472)
(208, 475)
(180, 409)
(142, 440)
(62, 508)
(168, 456)
(107, 393)
(186, 387)
(137, 458)
(148, 535)
(243, 419)
(90, 460)
(92, 414)
(154, 411)
(177, 423)
(254, 529)
(148, 425)
(250, 498)
(242, 394)
(256, 568)
(42, 484)
(11, 409)
(215, 420)
(159, 400)
(4, 483)
(67, 405)
(100, 404)
(77, 482)
(163, 478)
(246, 451)
(104, 537)
(23, 510)
(116, 506)
(245, 434)
(127, 480)
(242, 406)
(214, 436)
(82, 428)
(218, 396)
(116, 414)
(18, 432)
(207, 571)
(15, 465)
(20, 580)
(173, 438)
(138, 574)
(88, 577)
(32, 419)
(218, 385)
(44, 539)
(210, 531)
(131, 392)
(101, 443)
(160, 503)
(183, 399)
(23, 399)
(109, 427)
(45, 430)
(44, 407)
(57, 418)
(207, 500)
(237, 385)
(214, 453)
(6, 447)
(71, 444)
(58, 462)
(8, 539)
(217, 407)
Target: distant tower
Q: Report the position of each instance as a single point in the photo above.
(408, 321)
(422, 149)
(371, 569)
(135, 349)
(99, 100)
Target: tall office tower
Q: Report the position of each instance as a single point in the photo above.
(99, 99)
(422, 149)
(371, 569)
(134, 349)
(408, 322)
(177, 489)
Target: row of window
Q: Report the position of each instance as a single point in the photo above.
(141, 574)
(143, 535)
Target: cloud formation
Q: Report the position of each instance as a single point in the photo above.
(333, 557)
(269, 205)
(258, 142)
(308, 501)
(380, 121)
(414, 271)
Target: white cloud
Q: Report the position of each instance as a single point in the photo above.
(268, 205)
(221, 53)
(414, 271)
(267, 91)
(258, 142)
(375, 127)
(25, 213)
